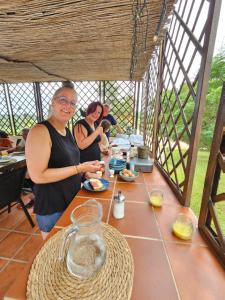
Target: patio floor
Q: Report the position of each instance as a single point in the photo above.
(169, 268)
(18, 240)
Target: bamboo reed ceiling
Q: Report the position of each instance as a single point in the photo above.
(77, 40)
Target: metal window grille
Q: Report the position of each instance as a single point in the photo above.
(25, 104)
(121, 97)
(23, 111)
(5, 113)
(151, 95)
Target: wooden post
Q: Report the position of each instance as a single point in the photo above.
(157, 100)
(214, 11)
(146, 105)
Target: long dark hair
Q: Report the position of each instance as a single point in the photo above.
(92, 108)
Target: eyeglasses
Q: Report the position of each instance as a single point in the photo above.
(64, 101)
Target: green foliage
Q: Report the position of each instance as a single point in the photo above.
(217, 77)
(217, 74)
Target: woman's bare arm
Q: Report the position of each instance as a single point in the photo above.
(82, 139)
(38, 149)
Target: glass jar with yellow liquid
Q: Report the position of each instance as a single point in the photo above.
(156, 198)
(183, 227)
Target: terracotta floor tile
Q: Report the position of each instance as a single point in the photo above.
(65, 220)
(3, 234)
(197, 272)
(25, 226)
(3, 262)
(37, 230)
(139, 221)
(7, 277)
(11, 243)
(29, 248)
(133, 191)
(12, 219)
(105, 194)
(166, 216)
(139, 179)
(152, 277)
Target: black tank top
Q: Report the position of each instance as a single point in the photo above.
(56, 196)
(92, 152)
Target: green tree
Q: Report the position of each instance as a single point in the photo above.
(217, 77)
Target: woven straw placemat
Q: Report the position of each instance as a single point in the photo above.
(49, 278)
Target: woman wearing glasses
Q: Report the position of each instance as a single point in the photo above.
(53, 160)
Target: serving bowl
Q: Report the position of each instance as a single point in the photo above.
(117, 165)
(129, 178)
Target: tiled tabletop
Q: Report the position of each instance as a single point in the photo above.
(165, 267)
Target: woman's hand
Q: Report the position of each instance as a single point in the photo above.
(99, 130)
(105, 152)
(89, 175)
(90, 166)
(93, 162)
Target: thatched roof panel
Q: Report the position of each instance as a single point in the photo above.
(78, 40)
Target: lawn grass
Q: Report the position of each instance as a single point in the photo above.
(199, 179)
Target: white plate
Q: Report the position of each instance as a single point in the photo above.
(5, 160)
(18, 153)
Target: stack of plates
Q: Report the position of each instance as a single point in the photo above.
(117, 165)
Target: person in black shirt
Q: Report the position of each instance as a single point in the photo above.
(53, 160)
(87, 135)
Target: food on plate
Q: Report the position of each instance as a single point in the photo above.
(128, 173)
(96, 184)
(99, 173)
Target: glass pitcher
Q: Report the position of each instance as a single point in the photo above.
(86, 251)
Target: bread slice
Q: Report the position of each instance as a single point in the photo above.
(96, 184)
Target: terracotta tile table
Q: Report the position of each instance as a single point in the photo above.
(165, 267)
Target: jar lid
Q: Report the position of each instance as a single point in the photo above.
(119, 197)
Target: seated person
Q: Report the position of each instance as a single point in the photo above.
(5, 143)
(21, 144)
(110, 118)
(104, 143)
(86, 134)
